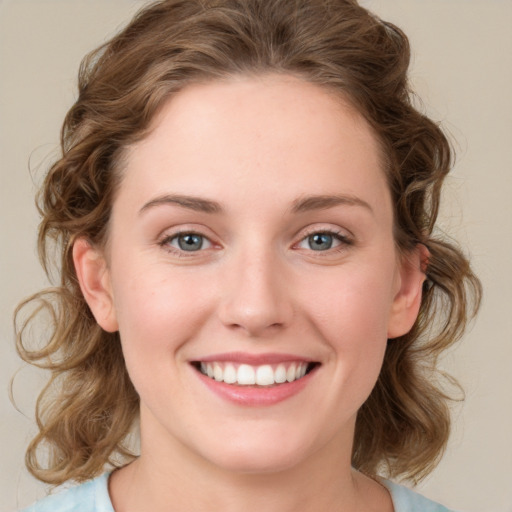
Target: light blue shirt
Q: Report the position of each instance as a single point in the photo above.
(93, 496)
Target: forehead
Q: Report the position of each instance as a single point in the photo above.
(252, 136)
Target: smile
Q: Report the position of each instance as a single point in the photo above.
(255, 380)
(250, 375)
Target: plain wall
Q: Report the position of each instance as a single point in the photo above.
(462, 70)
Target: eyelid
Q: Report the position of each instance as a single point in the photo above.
(342, 233)
(164, 239)
(204, 239)
(345, 238)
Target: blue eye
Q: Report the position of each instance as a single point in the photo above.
(323, 241)
(320, 241)
(188, 242)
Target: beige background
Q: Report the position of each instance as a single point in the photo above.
(462, 70)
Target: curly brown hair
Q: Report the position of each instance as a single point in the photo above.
(90, 405)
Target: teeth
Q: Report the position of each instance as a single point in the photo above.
(247, 375)
(265, 375)
(280, 374)
(218, 374)
(230, 374)
(290, 374)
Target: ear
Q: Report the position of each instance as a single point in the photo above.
(94, 279)
(407, 300)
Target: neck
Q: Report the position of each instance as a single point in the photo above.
(172, 478)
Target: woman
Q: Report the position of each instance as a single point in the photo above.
(245, 204)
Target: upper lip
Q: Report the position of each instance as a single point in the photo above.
(253, 359)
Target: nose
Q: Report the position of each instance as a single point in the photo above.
(257, 298)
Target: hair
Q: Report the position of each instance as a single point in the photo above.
(89, 406)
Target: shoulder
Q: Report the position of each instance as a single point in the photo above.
(405, 500)
(92, 496)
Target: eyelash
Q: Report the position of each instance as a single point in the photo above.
(344, 242)
(166, 241)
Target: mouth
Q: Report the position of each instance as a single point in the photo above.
(264, 375)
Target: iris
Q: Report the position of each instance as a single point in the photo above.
(320, 241)
(190, 242)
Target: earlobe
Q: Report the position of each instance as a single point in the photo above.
(94, 279)
(407, 301)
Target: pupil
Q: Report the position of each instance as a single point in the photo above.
(190, 242)
(320, 241)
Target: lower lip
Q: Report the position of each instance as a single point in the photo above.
(256, 396)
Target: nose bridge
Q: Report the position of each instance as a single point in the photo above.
(257, 296)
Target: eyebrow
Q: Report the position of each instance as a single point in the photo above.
(323, 202)
(197, 204)
(301, 205)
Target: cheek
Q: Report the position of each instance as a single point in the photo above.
(355, 302)
(352, 316)
(157, 312)
(157, 316)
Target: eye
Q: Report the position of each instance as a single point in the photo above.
(323, 241)
(188, 242)
(320, 241)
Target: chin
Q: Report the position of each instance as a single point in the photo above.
(245, 463)
(250, 457)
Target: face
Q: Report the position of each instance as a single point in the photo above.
(252, 273)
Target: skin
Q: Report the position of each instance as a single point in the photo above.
(255, 146)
